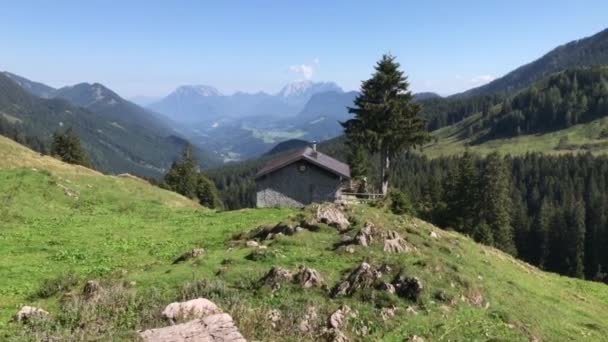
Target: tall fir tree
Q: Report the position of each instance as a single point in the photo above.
(183, 175)
(358, 160)
(495, 205)
(67, 147)
(207, 193)
(386, 117)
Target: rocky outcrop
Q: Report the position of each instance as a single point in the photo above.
(275, 277)
(213, 328)
(364, 276)
(192, 254)
(91, 289)
(332, 215)
(28, 313)
(307, 323)
(196, 308)
(366, 235)
(308, 277)
(394, 243)
(408, 287)
(338, 319)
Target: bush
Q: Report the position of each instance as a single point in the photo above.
(400, 203)
(59, 284)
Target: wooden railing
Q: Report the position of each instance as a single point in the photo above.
(360, 196)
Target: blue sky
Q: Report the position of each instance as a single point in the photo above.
(150, 47)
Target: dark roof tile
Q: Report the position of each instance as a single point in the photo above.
(317, 158)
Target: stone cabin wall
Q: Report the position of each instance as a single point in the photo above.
(297, 185)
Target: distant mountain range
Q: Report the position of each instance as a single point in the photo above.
(119, 135)
(204, 104)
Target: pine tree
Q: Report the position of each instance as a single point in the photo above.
(495, 202)
(386, 117)
(358, 160)
(207, 193)
(462, 195)
(183, 176)
(67, 147)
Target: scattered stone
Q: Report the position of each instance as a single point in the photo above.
(196, 308)
(475, 298)
(274, 316)
(388, 287)
(68, 192)
(442, 296)
(434, 235)
(91, 289)
(308, 277)
(194, 253)
(350, 249)
(408, 287)
(337, 320)
(275, 277)
(388, 313)
(269, 233)
(346, 239)
(306, 323)
(299, 229)
(365, 237)
(385, 268)
(332, 215)
(410, 310)
(252, 243)
(416, 339)
(213, 328)
(364, 276)
(335, 335)
(28, 313)
(394, 243)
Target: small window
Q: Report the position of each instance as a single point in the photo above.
(302, 168)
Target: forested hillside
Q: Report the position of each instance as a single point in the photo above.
(119, 136)
(561, 101)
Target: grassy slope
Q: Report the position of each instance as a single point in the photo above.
(582, 138)
(122, 229)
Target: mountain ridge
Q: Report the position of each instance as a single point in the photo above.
(584, 52)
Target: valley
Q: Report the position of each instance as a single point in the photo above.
(393, 172)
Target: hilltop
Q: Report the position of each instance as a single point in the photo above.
(66, 224)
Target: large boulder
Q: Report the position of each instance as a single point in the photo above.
(408, 287)
(332, 215)
(364, 276)
(394, 243)
(91, 289)
(275, 277)
(366, 235)
(27, 313)
(269, 233)
(337, 320)
(308, 277)
(213, 328)
(196, 308)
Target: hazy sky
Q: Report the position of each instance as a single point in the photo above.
(150, 47)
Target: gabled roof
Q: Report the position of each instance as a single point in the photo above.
(314, 157)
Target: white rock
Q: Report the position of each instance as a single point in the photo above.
(213, 328)
(196, 308)
(28, 312)
(252, 243)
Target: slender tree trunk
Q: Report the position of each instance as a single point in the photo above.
(384, 174)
